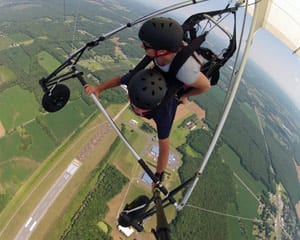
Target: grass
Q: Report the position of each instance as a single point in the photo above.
(91, 65)
(234, 162)
(5, 42)
(235, 225)
(247, 205)
(16, 171)
(41, 145)
(20, 58)
(10, 147)
(247, 208)
(69, 118)
(191, 151)
(20, 37)
(6, 74)
(47, 61)
(103, 226)
(18, 106)
(250, 113)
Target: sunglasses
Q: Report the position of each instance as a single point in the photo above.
(138, 111)
(147, 45)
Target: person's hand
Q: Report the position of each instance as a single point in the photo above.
(160, 177)
(89, 89)
(183, 100)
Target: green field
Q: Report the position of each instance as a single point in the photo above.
(6, 74)
(47, 61)
(41, 144)
(247, 208)
(20, 37)
(15, 172)
(5, 42)
(250, 113)
(103, 226)
(234, 162)
(91, 65)
(68, 119)
(18, 106)
(20, 59)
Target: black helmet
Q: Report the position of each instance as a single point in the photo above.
(162, 33)
(147, 88)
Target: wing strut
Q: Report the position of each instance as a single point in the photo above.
(56, 95)
(225, 113)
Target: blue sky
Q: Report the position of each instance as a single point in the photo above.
(266, 50)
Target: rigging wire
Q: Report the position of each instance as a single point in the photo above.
(221, 124)
(221, 121)
(234, 71)
(64, 10)
(75, 24)
(217, 132)
(254, 220)
(226, 214)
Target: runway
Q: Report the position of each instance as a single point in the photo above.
(38, 213)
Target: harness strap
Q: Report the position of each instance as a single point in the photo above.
(184, 54)
(141, 65)
(175, 87)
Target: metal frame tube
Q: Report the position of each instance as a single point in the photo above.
(226, 111)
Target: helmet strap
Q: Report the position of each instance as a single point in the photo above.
(161, 53)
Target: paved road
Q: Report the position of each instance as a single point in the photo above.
(36, 216)
(47, 200)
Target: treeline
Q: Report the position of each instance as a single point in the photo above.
(94, 207)
(243, 137)
(248, 143)
(147, 128)
(215, 191)
(283, 166)
(199, 140)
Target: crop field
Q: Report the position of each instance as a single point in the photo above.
(238, 228)
(20, 58)
(234, 162)
(68, 119)
(5, 42)
(41, 144)
(250, 113)
(247, 208)
(91, 65)
(6, 74)
(20, 37)
(47, 61)
(18, 106)
(16, 171)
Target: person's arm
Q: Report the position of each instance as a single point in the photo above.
(201, 85)
(163, 155)
(114, 82)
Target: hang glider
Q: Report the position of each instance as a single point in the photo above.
(282, 19)
(56, 95)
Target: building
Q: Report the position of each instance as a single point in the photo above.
(127, 231)
(154, 152)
